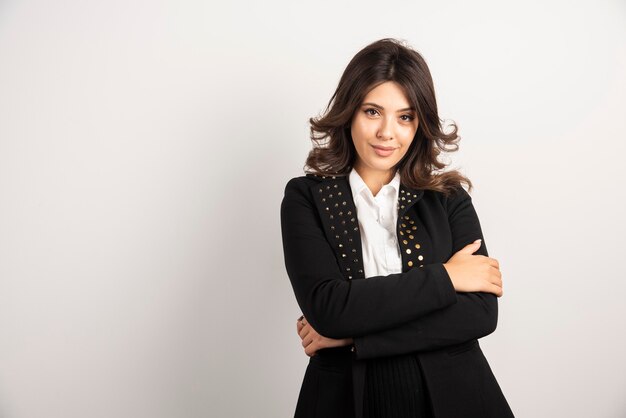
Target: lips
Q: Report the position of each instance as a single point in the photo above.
(383, 151)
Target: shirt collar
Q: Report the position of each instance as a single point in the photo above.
(358, 186)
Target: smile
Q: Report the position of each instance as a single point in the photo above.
(383, 151)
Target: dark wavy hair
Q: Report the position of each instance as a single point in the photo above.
(387, 59)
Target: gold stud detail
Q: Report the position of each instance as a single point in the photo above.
(408, 251)
(405, 241)
(420, 258)
(411, 237)
(417, 246)
(410, 263)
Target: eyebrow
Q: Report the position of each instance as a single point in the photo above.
(382, 108)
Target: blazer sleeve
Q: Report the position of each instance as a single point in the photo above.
(475, 314)
(340, 308)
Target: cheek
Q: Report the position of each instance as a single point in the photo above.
(363, 128)
(408, 138)
(357, 134)
(406, 145)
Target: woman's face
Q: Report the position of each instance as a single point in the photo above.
(383, 128)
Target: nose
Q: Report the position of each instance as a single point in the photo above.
(385, 129)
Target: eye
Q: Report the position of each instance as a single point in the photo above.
(408, 118)
(368, 110)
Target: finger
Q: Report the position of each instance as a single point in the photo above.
(495, 272)
(470, 248)
(306, 341)
(311, 349)
(497, 290)
(304, 331)
(299, 326)
(493, 262)
(495, 279)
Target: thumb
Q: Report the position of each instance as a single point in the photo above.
(471, 248)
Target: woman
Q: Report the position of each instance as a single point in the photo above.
(385, 255)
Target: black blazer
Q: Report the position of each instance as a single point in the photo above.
(416, 311)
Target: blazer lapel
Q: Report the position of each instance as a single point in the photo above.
(409, 229)
(407, 198)
(335, 204)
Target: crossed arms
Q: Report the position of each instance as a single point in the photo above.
(384, 315)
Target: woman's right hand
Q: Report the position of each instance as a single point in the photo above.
(474, 273)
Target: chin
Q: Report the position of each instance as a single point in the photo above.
(383, 166)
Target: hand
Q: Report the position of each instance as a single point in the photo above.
(474, 272)
(312, 341)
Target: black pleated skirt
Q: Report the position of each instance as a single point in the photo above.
(395, 388)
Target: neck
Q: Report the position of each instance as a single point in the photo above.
(375, 179)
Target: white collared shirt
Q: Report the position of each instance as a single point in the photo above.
(377, 217)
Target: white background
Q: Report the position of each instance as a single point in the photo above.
(144, 150)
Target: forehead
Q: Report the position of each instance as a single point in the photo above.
(388, 92)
